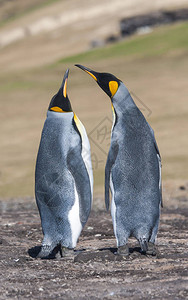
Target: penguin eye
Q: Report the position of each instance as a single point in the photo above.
(113, 86)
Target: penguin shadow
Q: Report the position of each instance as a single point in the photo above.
(112, 250)
(83, 255)
(56, 253)
(132, 250)
(34, 252)
(106, 254)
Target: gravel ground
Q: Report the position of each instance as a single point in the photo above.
(95, 271)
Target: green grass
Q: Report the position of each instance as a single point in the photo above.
(16, 85)
(161, 41)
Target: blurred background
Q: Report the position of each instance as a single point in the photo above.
(144, 43)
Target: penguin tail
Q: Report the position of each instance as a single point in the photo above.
(143, 244)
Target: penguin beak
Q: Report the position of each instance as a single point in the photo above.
(107, 82)
(60, 101)
(64, 83)
(89, 71)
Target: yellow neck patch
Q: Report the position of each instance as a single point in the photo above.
(113, 111)
(114, 115)
(76, 118)
(113, 86)
(78, 124)
(57, 109)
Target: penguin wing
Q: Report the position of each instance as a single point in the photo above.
(79, 172)
(160, 183)
(160, 164)
(110, 162)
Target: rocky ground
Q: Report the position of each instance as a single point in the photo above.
(95, 272)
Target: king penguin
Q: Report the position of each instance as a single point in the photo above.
(133, 169)
(63, 176)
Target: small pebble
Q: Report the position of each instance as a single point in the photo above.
(182, 187)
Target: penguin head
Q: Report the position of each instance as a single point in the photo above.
(108, 82)
(60, 102)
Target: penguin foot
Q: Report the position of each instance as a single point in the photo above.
(152, 249)
(66, 252)
(45, 251)
(123, 250)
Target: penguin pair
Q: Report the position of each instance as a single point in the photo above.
(64, 179)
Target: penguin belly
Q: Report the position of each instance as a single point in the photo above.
(113, 207)
(74, 219)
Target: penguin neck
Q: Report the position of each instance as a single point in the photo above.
(60, 115)
(122, 101)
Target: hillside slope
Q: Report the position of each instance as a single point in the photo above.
(40, 36)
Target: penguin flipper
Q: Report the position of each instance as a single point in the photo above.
(159, 162)
(79, 172)
(160, 181)
(110, 162)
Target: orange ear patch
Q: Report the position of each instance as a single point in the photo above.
(56, 109)
(113, 86)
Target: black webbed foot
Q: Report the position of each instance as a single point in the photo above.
(152, 249)
(123, 250)
(66, 252)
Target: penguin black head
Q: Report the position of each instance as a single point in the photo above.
(108, 82)
(60, 101)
